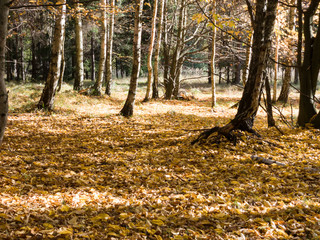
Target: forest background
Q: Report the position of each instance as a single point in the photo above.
(73, 168)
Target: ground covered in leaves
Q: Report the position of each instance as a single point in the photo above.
(84, 172)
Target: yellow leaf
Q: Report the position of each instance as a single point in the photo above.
(64, 208)
(47, 225)
(158, 222)
(65, 231)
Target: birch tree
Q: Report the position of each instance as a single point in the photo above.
(127, 109)
(150, 50)
(79, 76)
(49, 91)
(213, 54)
(4, 12)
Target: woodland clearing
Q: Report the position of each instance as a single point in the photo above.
(85, 172)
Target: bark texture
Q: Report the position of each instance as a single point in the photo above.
(79, 76)
(97, 88)
(127, 109)
(4, 12)
(109, 49)
(49, 91)
(213, 55)
(150, 51)
(263, 25)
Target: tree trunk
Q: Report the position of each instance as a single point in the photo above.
(79, 76)
(284, 93)
(212, 59)
(150, 50)
(155, 90)
(4, 12)
(309, 70)
(98, 84)
(49, 91)
(93, 69)
(109, 49)
(264, 21)
(247, 62)
(63, 67)
(275, 79)
(127, 109)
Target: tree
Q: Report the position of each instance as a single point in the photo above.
(4, 12)
(79, 76)
(155, 91)
(150, 50)
(263, 22)
(213, 55)
(284, 93)
(109, 48)
(127, 109)
(309, 70)
(102, 61)
(49, 91)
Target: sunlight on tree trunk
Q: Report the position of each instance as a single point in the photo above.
(49, 91)
(275, 79)
(4, 12)
(97, 88)
(127, 109)
(155, 91)
(247, 62)
(109, 48)
(213, 54)
(79, 76)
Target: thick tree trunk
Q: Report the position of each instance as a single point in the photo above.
(150, 50)
(110, 49)
(127, 109)
(265, 14)
(79, 76)
(309, 70)
(4, 12)
(49, 91)
(98, 84)
(155, 90)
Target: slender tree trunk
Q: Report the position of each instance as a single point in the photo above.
(275, 79)
(98, 84)
(127, 109)
(150, 50)
(109, 49)
(93, 69)
(49, 91)
(63, 66)
(213, 55)
(166, 55)
(79, 76)
(284, 93)
(155, 90)
(4, 12)
(271, 121)
(309, 70)
(247, 62)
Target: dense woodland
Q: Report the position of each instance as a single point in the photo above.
(159, 119)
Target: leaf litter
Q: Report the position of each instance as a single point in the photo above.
(76, 176)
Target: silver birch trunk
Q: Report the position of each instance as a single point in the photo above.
(150, 50)
(247, 62)
(127, 109)
(102, 61)
(49, 91)
(78, 82)
(155, 91)
(4, 12)
(109, 48)
(213, 55)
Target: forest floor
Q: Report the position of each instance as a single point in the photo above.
(84, 172)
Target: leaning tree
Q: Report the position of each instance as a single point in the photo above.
(263, 21)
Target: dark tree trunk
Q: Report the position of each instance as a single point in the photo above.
(271, 122)
(49, 91)
(4, 12)
(265, 14)
(309, 70)
(93, 75)
(127, 109)
(284, 94)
